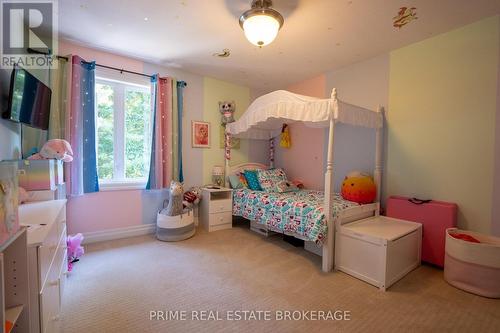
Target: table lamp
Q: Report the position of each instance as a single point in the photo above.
(218, 175)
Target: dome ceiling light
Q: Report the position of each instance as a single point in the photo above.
(261, 23)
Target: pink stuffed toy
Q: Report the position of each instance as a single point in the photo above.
(23, 195)
(75, 249)
(54, 149)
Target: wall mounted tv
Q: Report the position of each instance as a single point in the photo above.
(29, 100)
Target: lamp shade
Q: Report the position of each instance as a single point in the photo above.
(261, 30)
(217, 170)
(261, 23)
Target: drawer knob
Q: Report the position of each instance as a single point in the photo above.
(56, 318)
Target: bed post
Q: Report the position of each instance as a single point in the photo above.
(379, 141)
(329, 246)
(227, 157)
(271, 153)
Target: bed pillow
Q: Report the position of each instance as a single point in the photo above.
(252, 180)
(269, 179)
(286, 186)
(235, 182)
(243, 180)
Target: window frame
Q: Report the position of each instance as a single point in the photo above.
(120, 88)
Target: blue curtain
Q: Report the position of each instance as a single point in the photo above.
(90, 177)
(82, 177)
(154, 80)
(180, 106)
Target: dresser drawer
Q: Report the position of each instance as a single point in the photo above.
(55, 262)
(220, 206)
(61, 220)
(221, 218)
(49, 306)
(46, 252)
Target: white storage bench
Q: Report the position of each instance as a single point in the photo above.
(379, 250)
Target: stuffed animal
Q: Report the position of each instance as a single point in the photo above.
(174, 206)
(54, 149)
(192, 197)
(285, 141)
(359, 187)
(75, 249)
(226, 110)
(23, 195)
(10, 199)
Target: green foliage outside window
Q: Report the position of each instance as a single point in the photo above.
(137, 122)
(105, 118)
(135, 143)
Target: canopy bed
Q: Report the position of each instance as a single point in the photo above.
(263, 120)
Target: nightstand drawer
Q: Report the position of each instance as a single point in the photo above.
(220, 206)
(221, 218)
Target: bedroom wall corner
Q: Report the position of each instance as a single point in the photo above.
(443, 100)
(214, 91)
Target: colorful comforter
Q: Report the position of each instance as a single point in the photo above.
(295, 213)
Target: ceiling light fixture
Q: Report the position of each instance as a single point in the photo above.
(261, 23)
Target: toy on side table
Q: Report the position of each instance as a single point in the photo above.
(75, 249)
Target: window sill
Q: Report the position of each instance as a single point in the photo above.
(122, 186)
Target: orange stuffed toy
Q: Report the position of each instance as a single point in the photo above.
(359, 187)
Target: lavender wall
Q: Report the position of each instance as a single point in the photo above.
(365, 84)
(304, 159)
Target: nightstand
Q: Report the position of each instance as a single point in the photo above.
(216, 209)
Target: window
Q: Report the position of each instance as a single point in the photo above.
(124, 127)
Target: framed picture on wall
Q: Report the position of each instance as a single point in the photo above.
(200, 134)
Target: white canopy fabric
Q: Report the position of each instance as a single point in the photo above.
(265, 116)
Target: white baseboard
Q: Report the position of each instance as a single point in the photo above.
(110, 234)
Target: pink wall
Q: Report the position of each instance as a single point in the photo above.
(101, 57)
(306, 152)
(112, 209)
(104, 210)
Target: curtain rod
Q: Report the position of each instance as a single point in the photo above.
(121, 70)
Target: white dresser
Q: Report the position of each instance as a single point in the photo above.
(216, 209)
(47, 263)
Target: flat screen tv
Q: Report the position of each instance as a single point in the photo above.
(29, 100)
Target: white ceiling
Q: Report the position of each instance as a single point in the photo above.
(318, 35)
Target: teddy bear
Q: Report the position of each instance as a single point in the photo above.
(192, 197)
(226, 110)
(54, 149)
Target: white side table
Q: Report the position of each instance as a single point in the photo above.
(216, 209)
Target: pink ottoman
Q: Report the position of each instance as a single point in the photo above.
(435, 217)
(473, 267)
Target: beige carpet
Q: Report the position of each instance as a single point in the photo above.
(116, 285)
